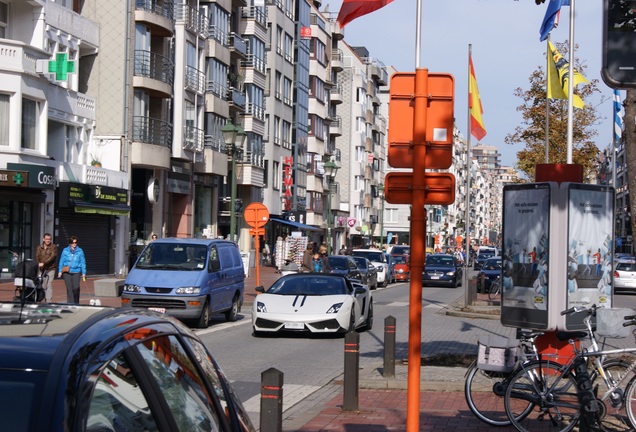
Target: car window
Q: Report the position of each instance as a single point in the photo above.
(180, 383)
(171, 256)
(370, 255)
(399, 259)
(339, 263)
(626, 267)
(118, 402)
(439, 260)
(492, 265)
(220, 384)
(310, 286)
(361, 262)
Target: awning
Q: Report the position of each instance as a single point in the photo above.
(296, 224)
(103, 209)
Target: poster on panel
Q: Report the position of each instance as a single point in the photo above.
(526, 225)
(589, 248)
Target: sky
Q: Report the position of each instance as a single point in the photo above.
(504, 35)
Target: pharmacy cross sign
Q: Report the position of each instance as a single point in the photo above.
(61, 66)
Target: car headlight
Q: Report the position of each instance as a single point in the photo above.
(188, 290)
(450, 273)
(335, 308)
(260, 307)
(132, 288)
(400, 271)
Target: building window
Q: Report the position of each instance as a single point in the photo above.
(276, 175)
(4, 119)
(29, 120)
(4, 20)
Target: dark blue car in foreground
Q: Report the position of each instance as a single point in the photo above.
(84, 368)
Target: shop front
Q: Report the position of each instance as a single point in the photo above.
(91, 213)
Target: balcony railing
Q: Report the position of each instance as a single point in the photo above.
(238, 43)
(163, 8)
(155, 66)
(254, 62)
(217, 88)
(152, 131)
(236, 97)
(221, 36)
(257, 13)
(255, 111)
(194, 21)
(193, 139)
(194, 80)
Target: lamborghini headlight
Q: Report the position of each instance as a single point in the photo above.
(335, 308)
(260, 307)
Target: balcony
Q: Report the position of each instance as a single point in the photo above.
(155, 72)
(152, 131)
(192, 19)
(193, 139)
(19, 58)
(158, 14)
(236, 98)
(194, 80)
(336, 60)
(335, 127)
(335, 95)
(238, 45)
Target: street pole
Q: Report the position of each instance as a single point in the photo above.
(234, 137)
(233, 195)
(329, 216)
(381, 195)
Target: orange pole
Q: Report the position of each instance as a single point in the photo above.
(418, 250)
(257, 246)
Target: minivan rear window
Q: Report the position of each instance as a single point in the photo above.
(171, 256)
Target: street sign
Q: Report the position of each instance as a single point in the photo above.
(256, 215)
(439, 188)
(439, 120)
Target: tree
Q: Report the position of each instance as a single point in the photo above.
(630, 150)
(532, 131)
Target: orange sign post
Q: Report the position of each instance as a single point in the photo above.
(420, 136)
(256, 215)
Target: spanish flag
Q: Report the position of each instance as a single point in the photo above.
(477, 128)
(352, 9)
(559, 75)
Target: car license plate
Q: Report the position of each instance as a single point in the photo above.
(434, 277)
(156, 309)
(294, 326)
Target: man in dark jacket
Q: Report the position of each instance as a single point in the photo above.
(46, 255)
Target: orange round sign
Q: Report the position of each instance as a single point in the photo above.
(256, 215)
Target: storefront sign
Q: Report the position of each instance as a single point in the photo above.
(40, 176)
(14, 178)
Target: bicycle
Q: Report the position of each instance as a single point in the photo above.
(561, 395)
(495, 288)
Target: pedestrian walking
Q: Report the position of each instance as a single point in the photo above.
(322, 251)
(307, 264)
(72, 265)
(45, 256)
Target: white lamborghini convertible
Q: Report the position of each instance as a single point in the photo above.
(313, 302)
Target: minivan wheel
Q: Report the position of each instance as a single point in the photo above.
(232, 313)
(204, 318)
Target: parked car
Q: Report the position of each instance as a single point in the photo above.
(85, 368)
(189, 279)
(442, 269)
(390, 261)
(312, 303)
(625, 276)
(368, 271)
(402, 269)
(624, 257)
(490, 271)
(345, 266)
(481, 259)
(400, 250)
(378, 258)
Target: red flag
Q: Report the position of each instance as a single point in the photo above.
(477, 128)
(352, 9)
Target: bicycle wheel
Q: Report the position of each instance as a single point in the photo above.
(553, 397)
(630, 401)
(614, 413)
(479, 390)
(493, 292)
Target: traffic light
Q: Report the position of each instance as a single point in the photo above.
(619, 44)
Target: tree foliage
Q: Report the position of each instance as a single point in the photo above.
(532, 131)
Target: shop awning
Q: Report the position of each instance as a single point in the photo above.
(103, 209)
(296, 224)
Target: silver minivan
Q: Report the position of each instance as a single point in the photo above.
(189, 279)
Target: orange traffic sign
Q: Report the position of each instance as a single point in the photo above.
(439, 188)
(440, 120)
(256, 215)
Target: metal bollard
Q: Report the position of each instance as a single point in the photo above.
(271, 401)
(389, 347)
(351, 371)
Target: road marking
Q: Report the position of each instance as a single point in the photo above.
(223, 326)
(292, 394)
(398, 304)
(435, 306)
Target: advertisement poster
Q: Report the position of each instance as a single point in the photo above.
(526, 224)
(590, 240)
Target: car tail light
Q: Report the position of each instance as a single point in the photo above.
(616, 274)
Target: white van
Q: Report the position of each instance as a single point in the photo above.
(189, 279)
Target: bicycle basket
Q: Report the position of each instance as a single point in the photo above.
(496, 353)
(609, 322)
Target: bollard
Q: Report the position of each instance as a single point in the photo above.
(389, 347)
(271, 401)
(351, 371)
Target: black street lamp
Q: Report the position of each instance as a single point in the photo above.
(330, 171)
(381, 196)
(234, 138)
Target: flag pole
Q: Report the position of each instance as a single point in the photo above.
(571, 85)
(467, 194)
(547, 101)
